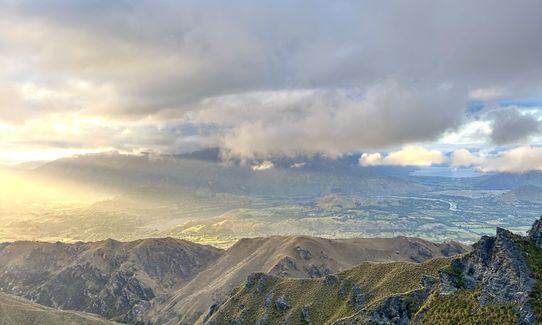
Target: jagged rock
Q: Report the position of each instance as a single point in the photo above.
(330, 280)
(305, 314)
(356, 297)
(497, 266)
(212, 310)
(262, 283)
(257, 279)
(428, 283)
(393, 310)
(251, 280)
(303, 253)
(317, 272)
(343, 289)
(536, 232)
(281, 304)
(268, 301)
(284, 266)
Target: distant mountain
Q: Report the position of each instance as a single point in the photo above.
(528, 193)
(202, 171)
(507, 181)
(291, 257)
(499, 282)
(114, 279)
(19, 311)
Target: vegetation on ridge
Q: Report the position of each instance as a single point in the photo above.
(463, 307)
(533, 255)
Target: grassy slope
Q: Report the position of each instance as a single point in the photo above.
(533, 255)
(378, 281)
(17, 311)
(462, 307)
(325, 304)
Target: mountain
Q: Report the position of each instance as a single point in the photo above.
(528, 193)
(114, 279)
(507, 181)
(19, 311)
(114, 172)
(499, 282)
(288, 257)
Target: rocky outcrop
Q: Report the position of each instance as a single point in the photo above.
(306, 315)
(497, 267)
(292, 257)
(394, 310)
(536, 232)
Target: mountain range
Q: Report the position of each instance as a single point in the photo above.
(170, 280)
(499, 282)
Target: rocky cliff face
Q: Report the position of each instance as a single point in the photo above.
(498, 268)
(498, 282)
(536, 232)
(113, 279)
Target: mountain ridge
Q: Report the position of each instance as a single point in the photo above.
(499, 281)
(289, 257)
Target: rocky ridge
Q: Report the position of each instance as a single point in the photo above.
(500, 281)
(114, 279)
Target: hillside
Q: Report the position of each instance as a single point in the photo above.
(503, 181)
(528, 193)
(499, 282)
(17, 311)
(204, 171)
(114, 279)
(292, 257)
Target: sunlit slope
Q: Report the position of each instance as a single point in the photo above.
(326, 300)
(294, 256)
(499, 282)
(18, 311)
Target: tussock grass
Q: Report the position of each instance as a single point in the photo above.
(533, 255)
(463, 308)
(327, 304)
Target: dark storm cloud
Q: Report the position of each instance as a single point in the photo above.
(511, 126)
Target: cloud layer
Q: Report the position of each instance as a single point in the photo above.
(266, 78)
(517, 160)
(408, 156)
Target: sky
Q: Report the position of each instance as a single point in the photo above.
(409, 83)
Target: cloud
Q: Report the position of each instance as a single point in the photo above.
(335, 122)
(270, 77)
(464, 158)
(488, 94)
(510, 125)
(517, 160)
(264, 165)
(297, 165)
(408, 156)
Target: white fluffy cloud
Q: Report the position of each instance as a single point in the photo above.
(517, 160)
(264, 165)
(408, 156)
